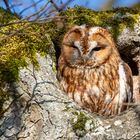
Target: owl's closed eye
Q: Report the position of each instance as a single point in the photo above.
(92, 72)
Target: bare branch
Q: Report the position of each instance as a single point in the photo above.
(34, 4)
(7, 5)
(41, 9)
(62, 7)
(55, 5)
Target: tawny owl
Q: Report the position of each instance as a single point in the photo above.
(92, 73)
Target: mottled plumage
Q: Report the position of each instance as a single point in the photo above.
(92, 73)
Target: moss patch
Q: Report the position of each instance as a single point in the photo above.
(113, 18)
(79, 123)
(16, 48)
(3, 97)
(6, 16)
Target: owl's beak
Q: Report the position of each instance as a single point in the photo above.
(85, 58)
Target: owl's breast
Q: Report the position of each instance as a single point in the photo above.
(86, 84)
(96, 90)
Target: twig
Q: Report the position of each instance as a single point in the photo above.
(7, 5)
(13, 33)
(41, 9)
(55, 5)
(29, 7)
(62, 7)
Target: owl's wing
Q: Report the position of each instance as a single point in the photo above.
(129, 82)
(60, 62)
(126, 87)
(136, 89)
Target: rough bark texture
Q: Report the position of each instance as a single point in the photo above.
(129, 46)
(39, 110)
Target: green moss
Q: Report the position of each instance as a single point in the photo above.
(6, 16)
(15, 49)
(78, 123)
(3, 97)
(113, 18)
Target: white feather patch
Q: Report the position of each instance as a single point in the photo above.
(77, 44)
(94, 91)
(107, 98)
(94, 30)
(92, 44)
(77, 97)
(83, 26)
(122, 85)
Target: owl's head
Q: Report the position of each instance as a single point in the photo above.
(87, 47)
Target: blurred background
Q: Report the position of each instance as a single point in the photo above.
(37, 9)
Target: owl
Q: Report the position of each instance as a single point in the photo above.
(91, 72)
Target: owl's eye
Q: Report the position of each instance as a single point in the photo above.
(96, 49)
(70, 45)
(73, 46)
(99, 47)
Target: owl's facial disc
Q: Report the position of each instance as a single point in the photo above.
(91, 55)
(86, 47)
